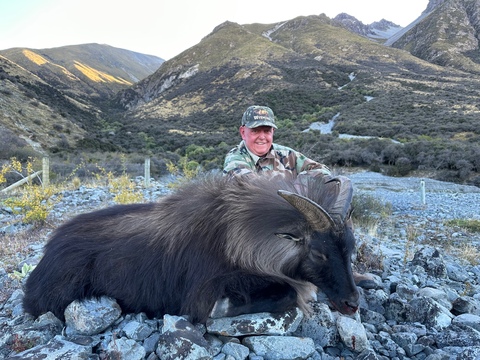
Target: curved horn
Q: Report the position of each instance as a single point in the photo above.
(314, 213)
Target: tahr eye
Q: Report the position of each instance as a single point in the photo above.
(319, 255)
(288, 237)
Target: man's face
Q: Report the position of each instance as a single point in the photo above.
(258, 140)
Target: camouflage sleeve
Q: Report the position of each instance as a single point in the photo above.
(310, 167)
(238, 164)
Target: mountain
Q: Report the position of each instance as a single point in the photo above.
(89, 71)
(447, 35)
(308, 69)
(393, 109)
(378, 30)
(52, 98)
(38, 112)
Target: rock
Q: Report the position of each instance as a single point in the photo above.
(125, 349)
(236, 351)
(458, 336)
(430, 313)
(438, 295)
(137, 331)
(467, 319)
(280, 347)
(407, 341)
(432, 261)
(181, 340)
(457, 273)
(320, 326)
(58, 348)
(256, 324)
(466, 305)
(352, 334)
(91, 316)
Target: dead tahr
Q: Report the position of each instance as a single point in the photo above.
(260, 243)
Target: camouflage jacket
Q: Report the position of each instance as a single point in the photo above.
(280, 160)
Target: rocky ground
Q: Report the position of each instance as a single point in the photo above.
(425, 303)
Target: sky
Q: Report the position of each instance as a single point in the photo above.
(166, 28)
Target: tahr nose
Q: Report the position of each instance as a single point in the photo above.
(352, 302)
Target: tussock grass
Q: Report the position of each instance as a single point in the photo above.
(467, 224)
(470, 253)
(369, 211)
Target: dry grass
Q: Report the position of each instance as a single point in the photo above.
(470, 253)
(412, 233)
(16, 247)
(369, 212)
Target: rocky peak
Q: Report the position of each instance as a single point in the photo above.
(432, 4)
(352, 24)
(382, 29)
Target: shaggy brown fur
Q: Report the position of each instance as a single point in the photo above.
(209, 240)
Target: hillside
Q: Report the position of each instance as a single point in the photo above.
(303, 68)
(37, 112)
(447, 36)
(54, 98)
(89, 70)
(395, 112)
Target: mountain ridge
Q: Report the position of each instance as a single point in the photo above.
(308, 69)
(57, 96)
(97, 70)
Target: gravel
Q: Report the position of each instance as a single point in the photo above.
(442, 199)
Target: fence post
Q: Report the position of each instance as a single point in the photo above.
(45, 172)
(422, 191)
(147, 172)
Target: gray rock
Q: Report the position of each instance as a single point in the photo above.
(432, 261)
(418, 329)
(352, 333)
(137, 331)
(438, 295)
(429, 312)
(467, 319)
(457, 273)
(407, 341)
(466, 304)
(256, 324)
(320, 326)
(397, 308)
(58, 348)
(91, 316)
(171, 346)
(458, 336)
(236, 351)
(280, 347)
(151, 342)
(181, 340)
(125, 349)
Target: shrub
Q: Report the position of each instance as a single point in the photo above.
(368, 211)
(34, 202)
(403, 166)
(471, 225)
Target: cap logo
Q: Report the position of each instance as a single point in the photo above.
(256, 116)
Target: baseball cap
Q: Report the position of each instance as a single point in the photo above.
(256, 116)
